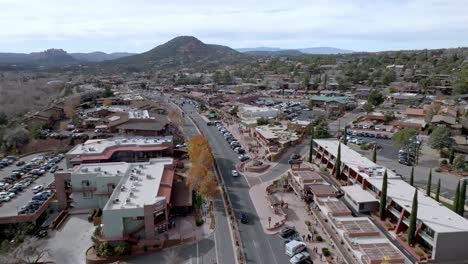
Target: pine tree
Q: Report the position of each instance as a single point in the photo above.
(311, 150)
(437, 191)
(338, 162)
(429, 184)
(413, 217)
(383, 197)
(411, 182)
(374, 154)
(456, 198)
(461, 199)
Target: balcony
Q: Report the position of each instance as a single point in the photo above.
(429, 239)
(395, 212)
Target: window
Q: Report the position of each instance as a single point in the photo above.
(87, 195)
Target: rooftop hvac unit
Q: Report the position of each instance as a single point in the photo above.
(127, 200)
(148, 176)
(84, 169)
(97, 169)
(116, 200)
(122, 188)
(131, 194)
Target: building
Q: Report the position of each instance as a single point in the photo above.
(331, 102)
(134, 149)
(135, 198)
(439, 230)
(137, 123)
(276, 135)
(447, 121)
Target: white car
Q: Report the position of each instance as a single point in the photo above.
(235, 173)
(4, 197)
(37, 188)
(300, 257)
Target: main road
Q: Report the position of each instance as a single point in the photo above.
(258, 247)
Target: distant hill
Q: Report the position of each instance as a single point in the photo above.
(290, 52)
(285, 52)
(180, 51)
(48, 57)
(99, 56)
(325, 50)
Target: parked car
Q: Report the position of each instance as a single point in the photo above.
(40, 197)
(37, 188)
(286, 232)
(4, 197)
(20, 163)
(234, 173)
(300, 257)
(243, 218)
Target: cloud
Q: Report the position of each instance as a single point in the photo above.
(138, 25)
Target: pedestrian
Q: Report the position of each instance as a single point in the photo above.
(309, 237)
(303, 237)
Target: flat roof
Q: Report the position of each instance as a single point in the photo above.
(362, 165)
(435, 215)
(359, 226)
(380, 252)
(140, 185)
(98, 146)
(358, 194)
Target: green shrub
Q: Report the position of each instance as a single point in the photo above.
(438, 169)
(199, 222)
(145, 248)
(104, 249)
(364, 147)
(122, 248)
(319, 238)
(307, 223)
(326, 252)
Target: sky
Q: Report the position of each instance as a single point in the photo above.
(139, 25)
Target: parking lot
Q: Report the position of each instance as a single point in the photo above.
(22, 198)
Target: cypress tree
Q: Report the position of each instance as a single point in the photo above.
(437, 191)
(411, 181)
(374, 154)
(452, 156)
(345, 141)
(461, 199)
(456, 198)
(413, 217)
(311, 150)
(429, 184)
(338, 162)
(383, 197)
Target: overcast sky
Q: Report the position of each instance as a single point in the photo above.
(139, 25)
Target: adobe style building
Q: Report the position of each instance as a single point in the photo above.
(118, 149)
(440, 230)
(135, 198)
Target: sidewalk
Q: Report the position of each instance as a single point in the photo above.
(297, 215)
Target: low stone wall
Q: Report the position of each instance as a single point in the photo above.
(257, 169)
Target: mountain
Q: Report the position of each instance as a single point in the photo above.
(50, 57)
(291, 52)
(99, 56)
(180, 51)
(324, 50)
(258, 49)
(267, 51)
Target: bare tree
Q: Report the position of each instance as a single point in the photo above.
(29, 252)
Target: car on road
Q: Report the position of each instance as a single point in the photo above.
(209, 123)
(20, 163)
(243, 218)
(37, 188)
(234, 173)
(300, 257)
(286, 232)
